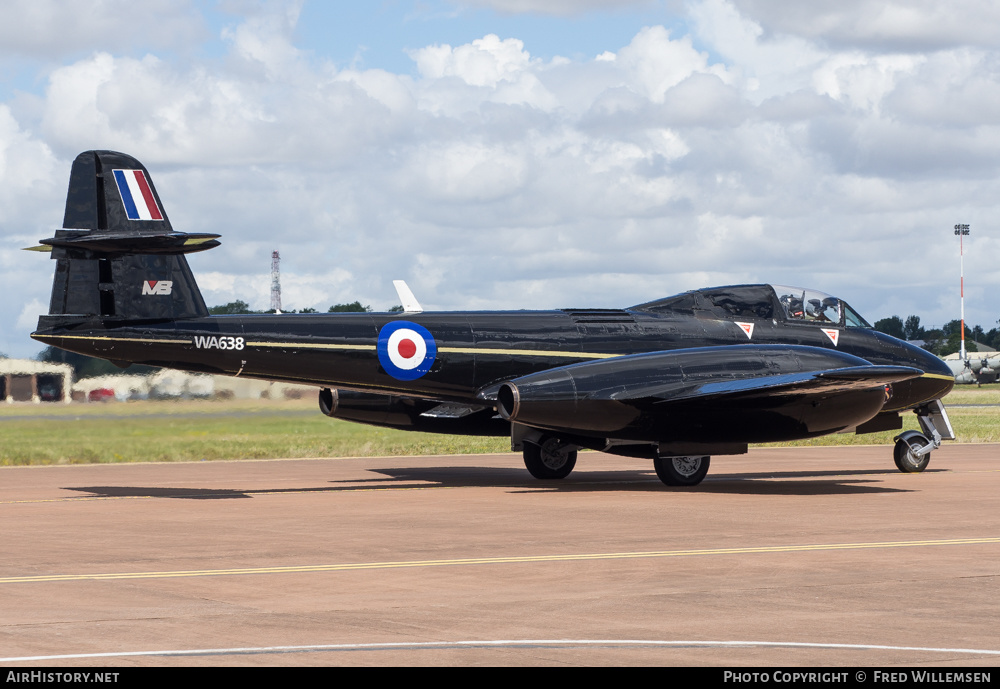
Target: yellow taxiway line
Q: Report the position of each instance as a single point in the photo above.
(493, 561)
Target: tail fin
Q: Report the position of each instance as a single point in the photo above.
(118, 256)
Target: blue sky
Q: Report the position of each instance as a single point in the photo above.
(520, 153)
(380, 34)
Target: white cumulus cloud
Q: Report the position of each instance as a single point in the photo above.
(747, 147)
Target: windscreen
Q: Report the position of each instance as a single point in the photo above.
(808, 305)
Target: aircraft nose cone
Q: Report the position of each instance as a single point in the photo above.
(936, 370)
(935, 365)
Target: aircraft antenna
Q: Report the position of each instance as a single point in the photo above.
(275, 282)
(962, 231)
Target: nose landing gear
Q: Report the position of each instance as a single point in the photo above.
(913, 449)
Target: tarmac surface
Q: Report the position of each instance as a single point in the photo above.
(783, 557)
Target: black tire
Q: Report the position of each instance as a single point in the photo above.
(906, 461)
(551, 458)
(681, 471)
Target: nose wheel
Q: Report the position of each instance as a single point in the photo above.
(913, 455)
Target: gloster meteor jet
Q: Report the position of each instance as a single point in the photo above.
(676, 380)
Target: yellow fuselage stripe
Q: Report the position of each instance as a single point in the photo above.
(105, 338)
(349, 347)
(313, 345)
(483, 351)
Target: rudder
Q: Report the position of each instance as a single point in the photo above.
(110, 192)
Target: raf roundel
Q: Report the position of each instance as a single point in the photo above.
(406, 350)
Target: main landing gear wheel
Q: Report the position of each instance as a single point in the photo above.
(906, 460)
(681, 471)
(549, 459)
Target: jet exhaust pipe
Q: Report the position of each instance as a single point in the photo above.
(409, 413)
(372, 408)
(508, 401)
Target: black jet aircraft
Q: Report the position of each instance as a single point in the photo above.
(675, 380)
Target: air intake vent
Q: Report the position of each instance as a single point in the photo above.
(599, 315)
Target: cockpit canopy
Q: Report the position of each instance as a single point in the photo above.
(761, 302)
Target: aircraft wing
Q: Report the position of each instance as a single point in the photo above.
(811, 383)
(751, 393)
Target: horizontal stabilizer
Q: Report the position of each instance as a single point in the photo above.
(121, 243)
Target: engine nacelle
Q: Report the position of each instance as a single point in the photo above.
(966, 377)
(734, 395)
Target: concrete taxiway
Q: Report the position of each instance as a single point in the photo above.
(783, 557)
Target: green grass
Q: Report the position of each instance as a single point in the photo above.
(211, 430)
(970, 394)
(197, 430)
(155, 408)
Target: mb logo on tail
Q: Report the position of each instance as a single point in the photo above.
(162, 287)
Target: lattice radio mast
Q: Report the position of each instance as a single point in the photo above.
(275, 282)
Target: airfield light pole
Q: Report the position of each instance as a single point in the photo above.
(275, 282)
(962, 231)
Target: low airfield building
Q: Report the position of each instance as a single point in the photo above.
(26, 380)
(172, 384)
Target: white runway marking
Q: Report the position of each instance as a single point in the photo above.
(256, 650)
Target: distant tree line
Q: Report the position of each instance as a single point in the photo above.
(239, 306)
(941, 341)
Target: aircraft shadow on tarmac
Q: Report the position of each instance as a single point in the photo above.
(831, 482)
(764, 483)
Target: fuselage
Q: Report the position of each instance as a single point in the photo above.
(473, 351)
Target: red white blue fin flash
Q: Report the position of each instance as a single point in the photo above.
(137, 196)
